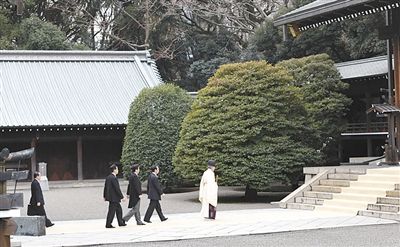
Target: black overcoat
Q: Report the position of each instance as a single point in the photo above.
(154, 190)
(112, 191)
(134, 190)
(36, 193)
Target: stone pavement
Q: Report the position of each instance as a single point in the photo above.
(192, 226)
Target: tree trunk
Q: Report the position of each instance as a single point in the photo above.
(250, 194)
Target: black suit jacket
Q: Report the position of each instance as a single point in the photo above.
(112, 191)
(134, 190)
(36, 193)
(154, 190)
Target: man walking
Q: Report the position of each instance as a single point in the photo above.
(36, 203)
(208, 194)
(112, 193)
(154, 192)
(134, 192)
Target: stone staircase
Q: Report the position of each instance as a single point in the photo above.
(363, 191)
(387, 207)
(324, 190)
(359, 194)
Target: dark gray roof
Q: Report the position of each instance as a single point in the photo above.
(327, 11)
(70, 88)
(368, 67)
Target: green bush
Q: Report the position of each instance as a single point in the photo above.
(153, 128)
(326, 105)
(251, 119)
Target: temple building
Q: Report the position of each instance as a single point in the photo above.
(72, 106)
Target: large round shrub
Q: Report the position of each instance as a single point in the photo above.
(154, 123)
(323, 95)
(251, 119)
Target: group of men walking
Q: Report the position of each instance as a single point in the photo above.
(112, 193)
(208, 195)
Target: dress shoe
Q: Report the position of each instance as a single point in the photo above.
(123, 224)
(110, 226)
(148, 221)
(141, 224)
(164, 219)
(50, 225)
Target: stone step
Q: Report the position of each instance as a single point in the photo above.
(343, 176)
(358, 197)
(350, 170)
(322, 188)
(376, 185)
(364, 191)
(300, 206)
(316, 194)
(388, 200)
(335, 183)
(309, 200)
(354, 204)
(380, 178)
(393, 193)
(336, 209)
(387, 171)
(384, 208)
(380, 214)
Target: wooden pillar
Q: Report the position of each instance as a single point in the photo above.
(369, 147)
(396, 67)
(3, 184)
(33, 158)
(285, 32)
(367, 106)
(79, 147)
(340, 151)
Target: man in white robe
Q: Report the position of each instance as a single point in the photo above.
(208, 194)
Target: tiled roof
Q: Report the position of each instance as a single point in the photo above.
(368, 67)
(65, 88)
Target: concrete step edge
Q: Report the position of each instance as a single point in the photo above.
(379, 214)
(391, 200)
(389, 208)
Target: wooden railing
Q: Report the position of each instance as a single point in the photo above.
(367, 127)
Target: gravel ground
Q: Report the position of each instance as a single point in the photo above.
(87, 202)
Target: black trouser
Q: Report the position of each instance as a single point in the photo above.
(114, 208)
(39, 211)
(154, 204)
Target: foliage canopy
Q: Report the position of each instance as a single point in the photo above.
(153, 127)
(251, 120)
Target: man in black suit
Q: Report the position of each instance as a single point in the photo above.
(112, 193)
(154, 192)
(36, 204)
(134, 192)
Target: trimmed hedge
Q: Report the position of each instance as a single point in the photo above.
(251, 119)
(322, 89)
(153, 128)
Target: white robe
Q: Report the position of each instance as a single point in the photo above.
(208, 193)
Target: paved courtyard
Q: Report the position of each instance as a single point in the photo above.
(192, 226)
(79, 213)
(85, 201)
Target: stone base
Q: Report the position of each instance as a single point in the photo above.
(15, 244)
(44, 183)
(30, 226)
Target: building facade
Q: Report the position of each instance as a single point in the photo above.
(72, 106)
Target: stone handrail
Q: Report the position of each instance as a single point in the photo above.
(305, 187)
